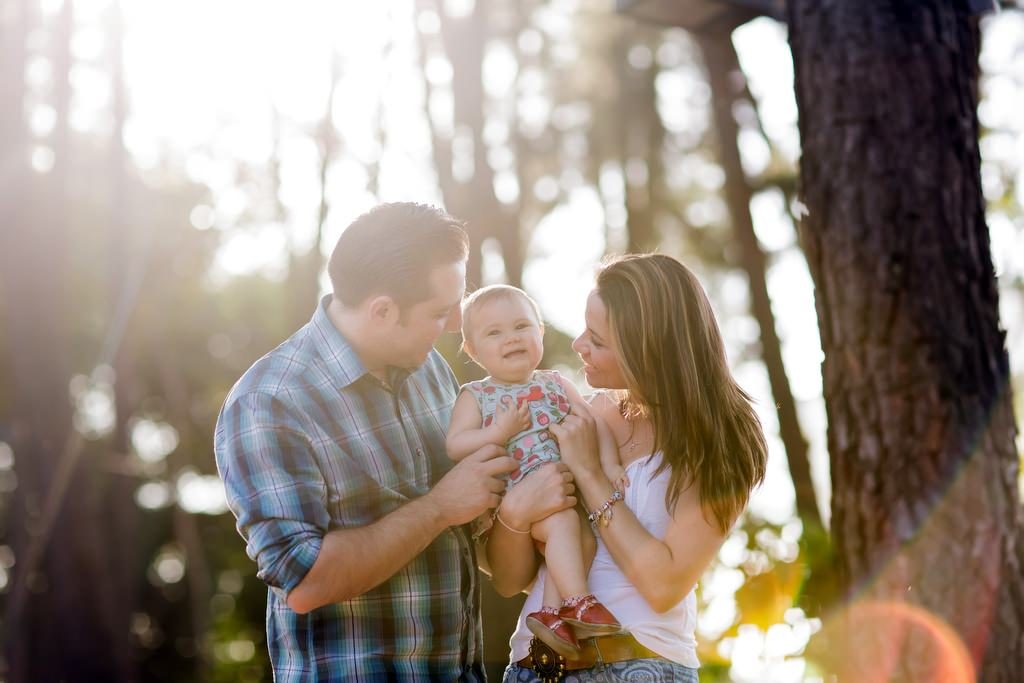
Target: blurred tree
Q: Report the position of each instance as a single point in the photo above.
(728, 88)
(305, 266)
(56, 617)
(926, 514)
(128, 259)
(464, 171)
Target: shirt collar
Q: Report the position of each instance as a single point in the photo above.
(336, 350)
(332, 346)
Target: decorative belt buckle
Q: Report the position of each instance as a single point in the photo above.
(547, 664)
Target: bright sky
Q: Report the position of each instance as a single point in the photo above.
(213, 83)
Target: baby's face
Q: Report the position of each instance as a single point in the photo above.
(506, 339)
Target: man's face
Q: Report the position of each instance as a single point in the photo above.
(421, 324)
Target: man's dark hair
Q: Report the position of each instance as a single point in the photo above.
(392, 249)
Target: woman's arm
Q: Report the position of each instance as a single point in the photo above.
(662, 570)
(465, 435)
(511, 557)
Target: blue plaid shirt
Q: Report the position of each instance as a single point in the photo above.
(308, 441)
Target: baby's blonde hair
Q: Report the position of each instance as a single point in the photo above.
(473, 302)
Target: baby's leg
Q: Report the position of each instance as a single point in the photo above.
(552, 598)
(564, 556)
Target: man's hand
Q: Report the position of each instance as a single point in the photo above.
(472, 486)
(510, 420)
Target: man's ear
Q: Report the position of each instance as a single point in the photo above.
(382, 309)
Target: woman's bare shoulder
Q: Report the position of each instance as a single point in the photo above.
(603, 402)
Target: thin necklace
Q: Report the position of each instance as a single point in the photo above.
(631, 441)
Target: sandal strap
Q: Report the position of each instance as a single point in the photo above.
(584, 604)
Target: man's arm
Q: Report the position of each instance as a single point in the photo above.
(273, 485)
(275, 489)
(352, 561)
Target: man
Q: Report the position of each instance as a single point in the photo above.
(332, 451)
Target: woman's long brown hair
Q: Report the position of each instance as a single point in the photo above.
(673, 360)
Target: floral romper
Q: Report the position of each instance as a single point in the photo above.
(531, 447)
(534, 446)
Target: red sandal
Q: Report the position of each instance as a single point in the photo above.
(589, 618)
(547, 625)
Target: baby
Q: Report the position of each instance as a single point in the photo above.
(512, 407)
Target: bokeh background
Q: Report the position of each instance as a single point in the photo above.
(180, 171)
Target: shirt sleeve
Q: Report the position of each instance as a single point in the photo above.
(274, 487)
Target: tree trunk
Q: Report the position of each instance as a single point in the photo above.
(640, 142)
(473, 199)
(118, 587)
(925, 506)
(55, 620)
(727, 87)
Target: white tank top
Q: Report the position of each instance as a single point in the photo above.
(671, 633)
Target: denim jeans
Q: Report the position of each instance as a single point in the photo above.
(654, 670)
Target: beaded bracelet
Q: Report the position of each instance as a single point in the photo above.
(603, 515)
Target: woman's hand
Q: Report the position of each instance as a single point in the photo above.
(543, 492)
(577, 439)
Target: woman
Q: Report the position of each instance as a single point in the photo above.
(693, 449)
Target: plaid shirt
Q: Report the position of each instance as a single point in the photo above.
(308, 441)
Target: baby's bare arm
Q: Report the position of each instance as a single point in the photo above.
(609, 454)
(466, 435)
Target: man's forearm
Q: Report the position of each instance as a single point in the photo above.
(353, 561)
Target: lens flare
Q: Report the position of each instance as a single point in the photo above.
(867, 642)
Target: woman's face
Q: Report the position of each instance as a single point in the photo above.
(596, 348)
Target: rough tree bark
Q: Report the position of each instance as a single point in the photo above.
(925, 507)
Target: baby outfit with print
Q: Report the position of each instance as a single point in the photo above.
(533, 446)
(549, 405)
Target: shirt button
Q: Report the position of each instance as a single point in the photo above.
(419, 452)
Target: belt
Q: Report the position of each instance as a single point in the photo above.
(593, 651)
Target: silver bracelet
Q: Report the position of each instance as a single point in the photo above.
(603, 515)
